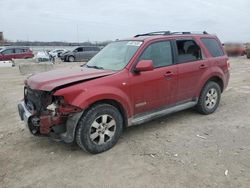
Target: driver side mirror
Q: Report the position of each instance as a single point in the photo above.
(144, 65)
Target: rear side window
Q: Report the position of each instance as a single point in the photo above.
(213, 47)
(160, 53)
(19, 51)
(87, 49)
(188, 51)
(96, 49)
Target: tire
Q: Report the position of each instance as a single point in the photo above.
(248, 55)
(209, 98)
(95, 132)
(71, 58)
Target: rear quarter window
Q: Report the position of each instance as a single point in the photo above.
(213, 47)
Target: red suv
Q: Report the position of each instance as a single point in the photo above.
(129, 82)
(9, 53)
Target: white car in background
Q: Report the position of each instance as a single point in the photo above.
(42, 56)
(6, 64)
(56, 52)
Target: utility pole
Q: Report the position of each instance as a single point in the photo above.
(77, 34)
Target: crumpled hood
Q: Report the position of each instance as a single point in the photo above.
(50, 80)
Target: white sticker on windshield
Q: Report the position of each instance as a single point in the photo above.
(134, 43)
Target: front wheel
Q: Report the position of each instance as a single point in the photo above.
(71, 58)
(99, 128)
(209, 98)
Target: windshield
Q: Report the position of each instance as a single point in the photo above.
(115, 56)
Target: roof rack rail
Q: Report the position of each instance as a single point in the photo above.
(170, 33)
(154, 33)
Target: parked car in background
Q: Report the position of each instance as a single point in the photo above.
(56, 52)
(43, 56)
(234, 49)
(83, 53)
(6, 64)
(9, 53)
(129, 82)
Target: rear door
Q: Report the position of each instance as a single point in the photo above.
(191, 66)
(94, 51)
(19, 53)
(157, 88)
(78, 54)
(88, 52)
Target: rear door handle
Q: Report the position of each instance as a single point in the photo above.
(203, 66)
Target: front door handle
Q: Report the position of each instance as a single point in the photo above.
(168, 75)
(203, 66)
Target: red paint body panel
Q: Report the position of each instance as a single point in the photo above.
(48, 81)
(135, 92)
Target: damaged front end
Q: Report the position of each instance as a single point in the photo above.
(46, 114)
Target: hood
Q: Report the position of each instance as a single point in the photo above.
(48, 81)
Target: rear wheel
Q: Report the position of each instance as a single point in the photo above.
(209, 98)
(99, 128)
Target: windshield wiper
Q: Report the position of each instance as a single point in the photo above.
(94, 66)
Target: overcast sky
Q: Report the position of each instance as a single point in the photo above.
(97, 20)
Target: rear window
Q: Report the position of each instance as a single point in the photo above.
(213, 47)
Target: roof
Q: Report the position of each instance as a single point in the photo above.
(10, 47)
(168, 34)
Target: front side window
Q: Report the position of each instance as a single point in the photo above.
(78, 49)
(115, 56)
(188, 51)
(9, 51)
(160, 53)
(213, 47)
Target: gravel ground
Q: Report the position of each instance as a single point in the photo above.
(185, 149)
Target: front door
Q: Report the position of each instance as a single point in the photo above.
(8, 54)
(19, 53)
(157, 88)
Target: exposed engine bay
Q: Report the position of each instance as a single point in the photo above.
(48, 113)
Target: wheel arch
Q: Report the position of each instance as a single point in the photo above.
(218, 80)
(117, 105)
(215, 78)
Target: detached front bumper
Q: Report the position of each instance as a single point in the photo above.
(55, 127)
(24, 114)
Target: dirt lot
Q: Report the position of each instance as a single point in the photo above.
(185, 149)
